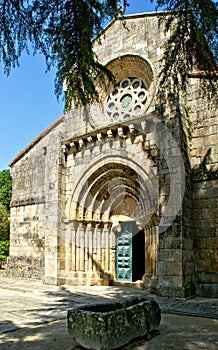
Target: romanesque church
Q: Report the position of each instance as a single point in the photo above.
(115, 194)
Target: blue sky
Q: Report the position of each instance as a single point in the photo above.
(27, 99)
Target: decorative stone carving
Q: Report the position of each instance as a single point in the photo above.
(109, 133)
(99, 136)
(81, 143)
(127, 100)
(129, 130)
(132, 129)
(64, 148)
(73, 146)
(120, 132)
(90, 139)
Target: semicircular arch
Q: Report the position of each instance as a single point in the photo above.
(106, 183)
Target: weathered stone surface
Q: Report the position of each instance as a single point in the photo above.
(109, 326)
(61, 209)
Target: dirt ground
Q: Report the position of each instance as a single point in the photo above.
(176, 332)
(33, 316)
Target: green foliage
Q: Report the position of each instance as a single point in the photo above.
(15, 31)
(72, 32)
(4, 250)
(4, 223)
(5, 198)
(5, 188)
(63, 31)
(192, 46)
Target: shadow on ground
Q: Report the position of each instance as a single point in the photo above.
(176, 332)
(42, 316)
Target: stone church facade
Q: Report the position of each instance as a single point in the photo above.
(114, 193)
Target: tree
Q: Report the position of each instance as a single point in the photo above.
(4, 250)
(5, 198)
(5, 189)
(4, 233)
(63, 31)
(193, 45)
(4, 224)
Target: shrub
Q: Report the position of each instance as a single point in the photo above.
(4, 250)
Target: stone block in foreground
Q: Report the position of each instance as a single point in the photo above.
(112, 325)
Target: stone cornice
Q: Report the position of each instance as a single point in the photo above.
(131, 129)
(28, 201)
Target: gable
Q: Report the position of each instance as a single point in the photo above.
(36, 140)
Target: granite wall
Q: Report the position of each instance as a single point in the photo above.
(50, 230)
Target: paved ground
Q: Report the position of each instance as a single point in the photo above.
(33, 316)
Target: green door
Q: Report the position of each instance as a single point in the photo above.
(124, 253)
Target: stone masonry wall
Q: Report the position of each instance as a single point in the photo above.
(196, 127)
(27, 216)
(44, 180)
(205, 230)
(141, 35)
(27, 241)
(204, 163)
(172, 173)
(98, 262)
(34, 209)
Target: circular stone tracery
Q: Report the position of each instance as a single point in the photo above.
(127, 100)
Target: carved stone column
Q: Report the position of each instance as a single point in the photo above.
(107, 247)
(77, 248)
(112, 253)
(68, 251)
(103, 249)
(82, 247)
(90, 247)
(94, 248)
(98, 257)
(74, 226)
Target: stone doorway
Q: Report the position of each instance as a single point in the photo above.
(115, 195)
(130, 253)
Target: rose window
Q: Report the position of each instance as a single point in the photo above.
(127, 100)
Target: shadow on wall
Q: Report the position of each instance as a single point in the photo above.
(205, 223)
(107, 277)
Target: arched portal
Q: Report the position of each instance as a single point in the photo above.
(110, 202)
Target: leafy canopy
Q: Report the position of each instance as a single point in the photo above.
(4, 250)
(5, 189)
(63, 31)
(5, 198)
(4, 223)
(192, 46)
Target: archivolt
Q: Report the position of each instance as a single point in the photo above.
(116, 186)
(131, 65)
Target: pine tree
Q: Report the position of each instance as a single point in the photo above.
(63, 31)
(192, 46)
